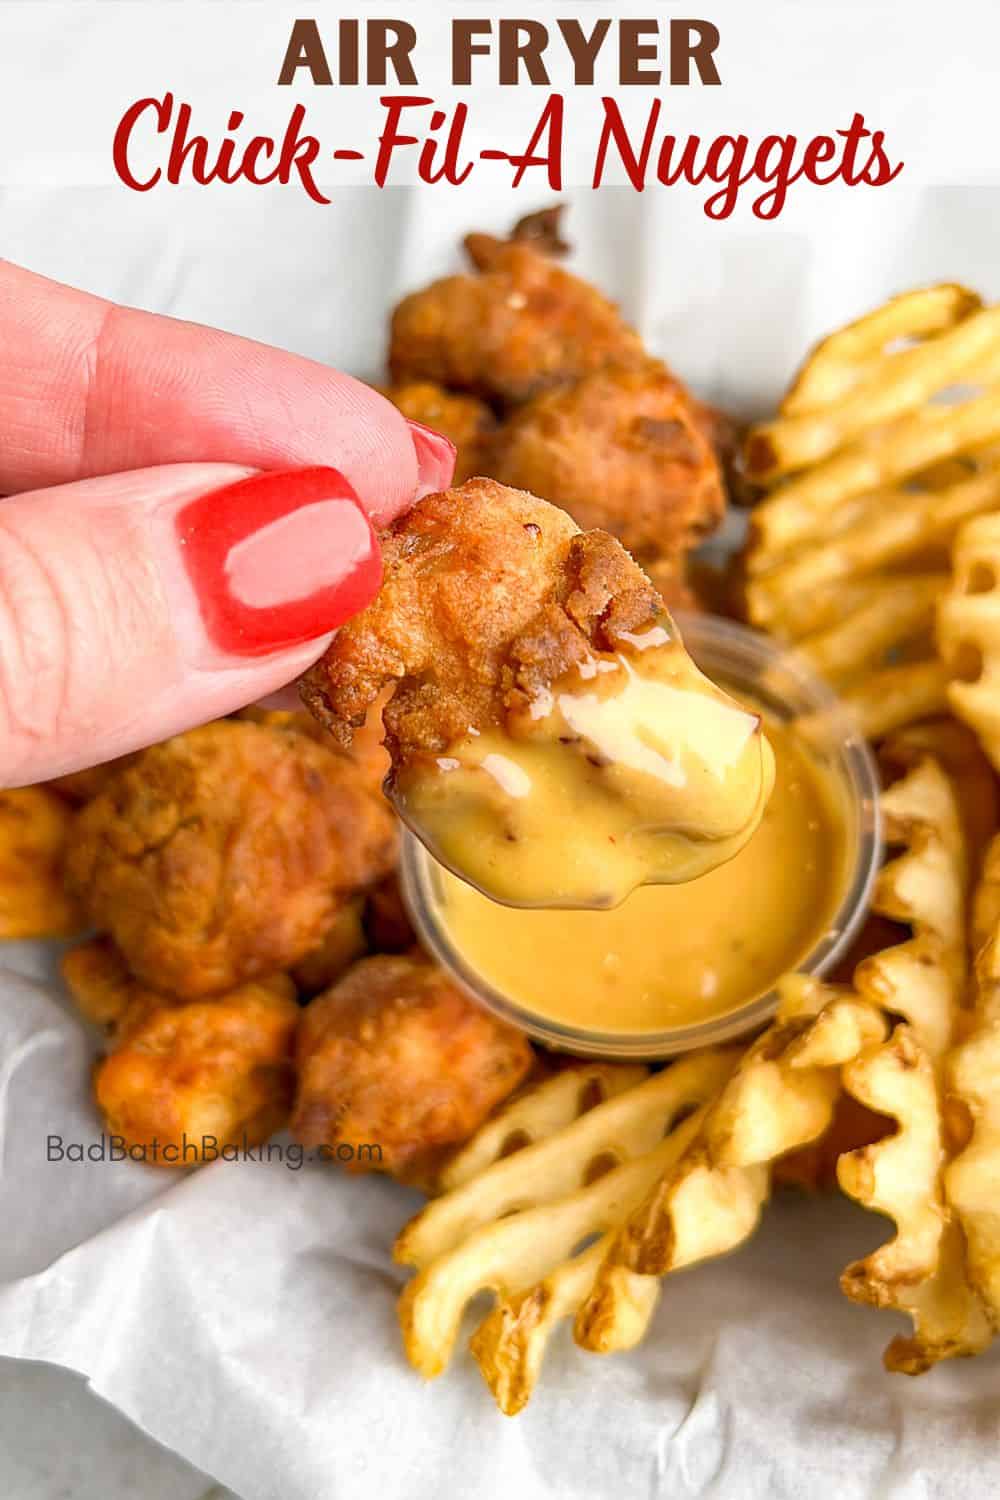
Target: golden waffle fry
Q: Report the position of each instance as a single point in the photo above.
(784, 1091)
(780, 1097)
(814, 1167)
(536, 1113)
(895, 528)
(890, 699)
(972, 1180)
(893, 385)
(969, 631)
(510, 1343)
(922, 1270)
(957, 751)
(898, 609)
(842, 359)
(872, 462)
(925, 887)
(884, 449)
(34, 827)
(514, 1227)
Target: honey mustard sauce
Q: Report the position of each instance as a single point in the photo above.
(634, 770)
(673, 955)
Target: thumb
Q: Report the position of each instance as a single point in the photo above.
(134, 606)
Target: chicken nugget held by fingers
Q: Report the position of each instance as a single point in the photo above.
(550, 738)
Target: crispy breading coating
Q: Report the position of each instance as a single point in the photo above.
(396, 1057)
(467, 421)
(226, 853)
(366, 749)
(179, 1071)
(34, 829)
(344, 942)
(489, 596)
(103, 989)
(203, 1074)
(623, 450)
(79, 786)
(519, 326)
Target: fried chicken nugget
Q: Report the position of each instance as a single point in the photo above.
(488, 596)
(225, 853)
(179, 1072)
(344, 942)
(518, 327)
(34, 829)
(468, 422)
(623, 450)
(79, 786)
(366, 748)
(396, 1058)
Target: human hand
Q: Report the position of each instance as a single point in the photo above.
(151, 578)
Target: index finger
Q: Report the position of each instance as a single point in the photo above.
(89, 388)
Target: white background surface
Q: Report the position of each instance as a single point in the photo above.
(247, 1319)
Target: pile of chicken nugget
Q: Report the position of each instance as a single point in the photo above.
(253, 967)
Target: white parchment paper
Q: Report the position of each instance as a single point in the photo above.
(244, 1315)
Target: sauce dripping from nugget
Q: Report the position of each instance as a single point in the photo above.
(634, 771)
(551, 740)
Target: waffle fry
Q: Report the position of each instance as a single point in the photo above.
(924, 887)
(969, 631)
(513, 1226)
(891, 387)
(894, 697)
(956, 750)
(781, 1097)
(840, 361)
(922, 1270)
(897, 609)
(813, 1168)
(871, 470)
(536, 1114)
(972, 1180)
(34, 826)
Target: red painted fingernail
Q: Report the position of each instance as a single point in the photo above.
(279, 559)
(435, 459)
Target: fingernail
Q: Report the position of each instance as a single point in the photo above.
(279, 559)
(435, 459)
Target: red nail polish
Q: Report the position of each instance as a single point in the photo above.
(435, 459)
(279, 559)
